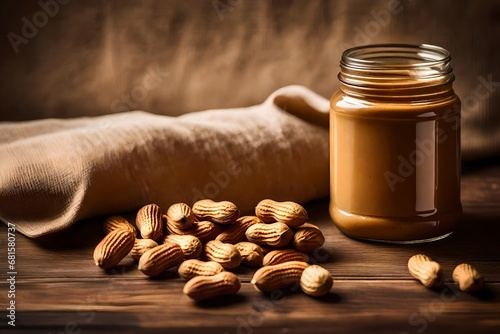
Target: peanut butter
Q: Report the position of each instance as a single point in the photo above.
(395, 145)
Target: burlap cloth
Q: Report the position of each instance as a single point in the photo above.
(55, 172)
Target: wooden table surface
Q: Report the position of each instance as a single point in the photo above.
(60, 290)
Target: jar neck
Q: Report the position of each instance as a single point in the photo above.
(396, 72)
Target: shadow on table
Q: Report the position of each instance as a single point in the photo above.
(477, 166)
(82, 234)
(222, 302)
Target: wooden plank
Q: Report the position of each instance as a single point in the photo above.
(377, 306)
(474, 241)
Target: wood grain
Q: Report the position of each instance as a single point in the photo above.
(364, 304)
(60, 290)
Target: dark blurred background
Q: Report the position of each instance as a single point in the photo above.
(86, 58)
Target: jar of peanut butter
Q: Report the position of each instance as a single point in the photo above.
(395, 144)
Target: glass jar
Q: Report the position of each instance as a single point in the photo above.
(395, 144)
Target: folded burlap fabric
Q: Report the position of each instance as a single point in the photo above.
(56, 172)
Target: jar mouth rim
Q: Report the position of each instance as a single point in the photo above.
(381, 56)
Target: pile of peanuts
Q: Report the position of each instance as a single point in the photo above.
(210, 238)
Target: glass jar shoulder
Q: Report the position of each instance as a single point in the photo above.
(396, 108)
